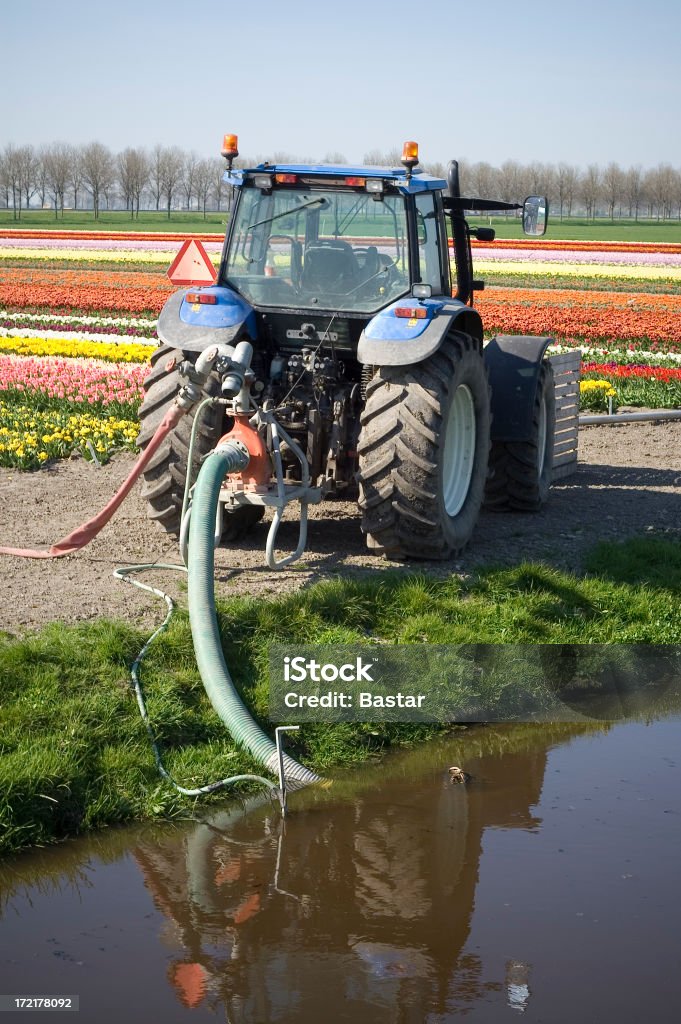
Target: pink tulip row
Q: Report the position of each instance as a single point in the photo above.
(74, 380)
(567, 255)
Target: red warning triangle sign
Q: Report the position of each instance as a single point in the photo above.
(192, 265)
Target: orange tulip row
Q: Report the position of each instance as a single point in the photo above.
(85, 290)
(80, 278)
(90, 299)
(567, 297)
(659, 327)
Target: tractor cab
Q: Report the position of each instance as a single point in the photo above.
(334, 239)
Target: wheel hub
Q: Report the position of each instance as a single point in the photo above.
(542, 432)
(459, 450)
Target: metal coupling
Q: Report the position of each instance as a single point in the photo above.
(188, 395)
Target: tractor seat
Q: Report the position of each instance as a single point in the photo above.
(330, 267)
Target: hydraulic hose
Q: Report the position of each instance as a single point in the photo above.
(229, 457)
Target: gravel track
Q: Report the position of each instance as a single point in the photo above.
(628, 481)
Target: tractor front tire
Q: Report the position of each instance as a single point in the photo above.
(164, 477)
(423, 451)
(520, 472)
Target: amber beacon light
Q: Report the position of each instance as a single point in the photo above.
(410, 156)
(230, 148)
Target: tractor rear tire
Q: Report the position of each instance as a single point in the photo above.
(521, 472)
(164, 477)
(423, 451)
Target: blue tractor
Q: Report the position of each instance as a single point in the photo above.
(365, 371)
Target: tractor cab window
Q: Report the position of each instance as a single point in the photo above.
(318, 249)
(427, 228)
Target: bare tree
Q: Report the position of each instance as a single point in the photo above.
(132, 172)
(28, 173)
(4, 184)
(172, 161)
(483, 180)
(156, 174)
(677, 192)
(376, 158)
(123, 176)
(613, 187)
(188, 177)
(540, 179)
(218, 188)
(437, 169)
(510, 181)
(633, 190)
(76, 173)
(667, 189)
(98, 172)
(659, 187)
(567, 177)
(282, 156)
(57, 160)
(11, 173)
(41, 175)
(204, 183)
(590, 190)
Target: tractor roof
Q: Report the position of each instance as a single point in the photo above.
(418, 182)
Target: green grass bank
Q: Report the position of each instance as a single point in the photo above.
(74, 755)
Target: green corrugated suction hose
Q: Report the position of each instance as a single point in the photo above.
(226, 458)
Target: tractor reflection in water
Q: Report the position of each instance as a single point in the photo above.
(366, 902)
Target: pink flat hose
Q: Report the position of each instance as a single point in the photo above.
(84, 533)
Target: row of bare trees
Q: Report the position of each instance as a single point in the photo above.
(595, 191)
(168, 178)
(91, 176)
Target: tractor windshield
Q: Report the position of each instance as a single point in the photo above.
(316, 249)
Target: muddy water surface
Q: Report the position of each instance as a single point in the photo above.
(548, 887)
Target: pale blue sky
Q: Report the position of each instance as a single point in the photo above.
(586, 82)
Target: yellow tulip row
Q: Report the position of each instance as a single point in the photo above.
(108, 351)
(29, 437)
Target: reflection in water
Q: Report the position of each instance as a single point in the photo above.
(517, 984)
(388, 899)
(372, 897)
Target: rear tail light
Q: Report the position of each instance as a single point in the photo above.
(418, 313)
(205, 298)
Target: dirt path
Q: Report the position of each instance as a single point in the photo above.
(628, 481)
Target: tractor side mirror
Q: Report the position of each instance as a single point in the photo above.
(535, 215)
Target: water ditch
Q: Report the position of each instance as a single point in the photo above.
(548, 886)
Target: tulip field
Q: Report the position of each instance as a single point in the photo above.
(78, 325)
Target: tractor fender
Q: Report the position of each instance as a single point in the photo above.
(193, 327)
(513, 363)
(391, 341)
